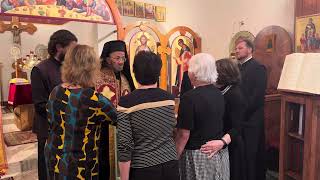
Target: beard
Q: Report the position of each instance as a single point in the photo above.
(117, 68)
(241, 57)
(61, 57)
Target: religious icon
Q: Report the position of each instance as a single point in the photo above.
(141, 41)
(120, 6)
(149, 11)
(307, 34)
(77, 10)
(17, 28)
(143, 44)
(139, 9)
(270, 43)
(310, 32)
(182, 51)
(236, 38)
(128, 8)
(16, 31)
(160, 14)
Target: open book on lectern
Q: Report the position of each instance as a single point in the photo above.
(301, 72)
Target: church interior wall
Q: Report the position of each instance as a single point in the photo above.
(217, 21)
(85, 35)
(214, 20)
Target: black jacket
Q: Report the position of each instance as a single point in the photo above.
(44, 77)
(253, 86)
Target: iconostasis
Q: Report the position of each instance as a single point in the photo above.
(175, 49)
(141, 36)
(26, 50)
(26, 28)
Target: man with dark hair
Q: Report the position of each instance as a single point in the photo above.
(44, 77)
(253, 86)
(147, 68)
(113, 82)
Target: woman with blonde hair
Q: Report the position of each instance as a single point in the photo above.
(200, 120)
(75, 113)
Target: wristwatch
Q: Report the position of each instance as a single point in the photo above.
(224, 143)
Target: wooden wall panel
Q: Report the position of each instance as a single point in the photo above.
(318, 7)
(272, 58)
(307, 7)
(298, 8)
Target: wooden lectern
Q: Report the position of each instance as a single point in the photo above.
(299, 136)
(300, 118)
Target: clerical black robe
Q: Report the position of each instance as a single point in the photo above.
(44, 77)
(253, 86)
(232, 124)
(113, 86)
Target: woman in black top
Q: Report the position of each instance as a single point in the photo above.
(228, 80)
(200, 120)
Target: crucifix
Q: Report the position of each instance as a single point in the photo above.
(17, 28)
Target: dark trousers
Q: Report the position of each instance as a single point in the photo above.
(237, 159)
(104, 164)
(164, 171)
(42, 166)
(254, 139)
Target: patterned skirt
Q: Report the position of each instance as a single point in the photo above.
(195, 165)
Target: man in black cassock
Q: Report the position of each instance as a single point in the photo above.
(44, 77)
(253, 86)
(113, 82)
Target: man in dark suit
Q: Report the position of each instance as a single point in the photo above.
(253, 86)
(44, 77)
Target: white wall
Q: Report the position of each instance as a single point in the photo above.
(214, 20)
(217, 20)
(85, 32)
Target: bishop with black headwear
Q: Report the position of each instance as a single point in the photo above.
(114, 81)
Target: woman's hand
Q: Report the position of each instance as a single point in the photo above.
(212, 147)
(181, 140)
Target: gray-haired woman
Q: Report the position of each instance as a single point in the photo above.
(199, 120)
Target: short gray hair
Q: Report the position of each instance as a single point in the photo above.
(203, 66)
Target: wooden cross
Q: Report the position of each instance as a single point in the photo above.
(17, 28)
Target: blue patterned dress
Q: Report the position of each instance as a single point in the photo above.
(75, 117)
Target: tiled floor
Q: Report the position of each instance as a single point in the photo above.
(22, 159)
(271, 175)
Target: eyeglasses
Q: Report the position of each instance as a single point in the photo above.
(118, 58)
